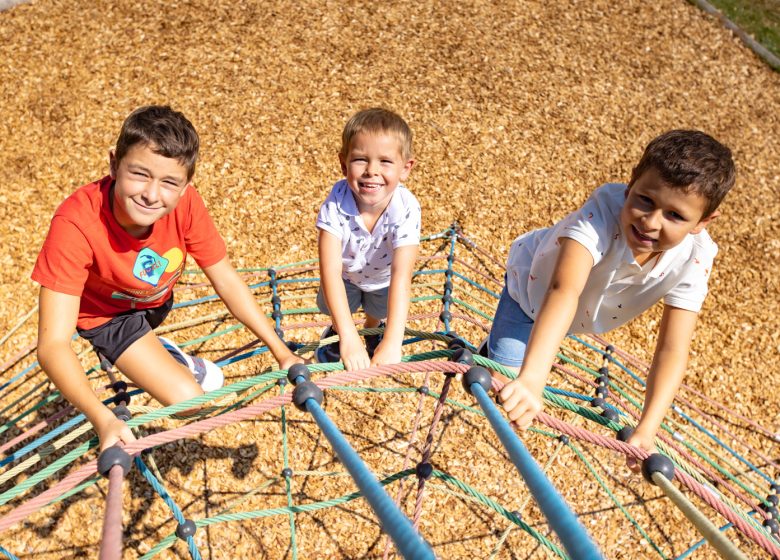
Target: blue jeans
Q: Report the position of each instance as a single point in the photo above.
(509, 333)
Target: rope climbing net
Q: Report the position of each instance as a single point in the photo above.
(412, 460)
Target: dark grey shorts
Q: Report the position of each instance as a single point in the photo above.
(111, 339)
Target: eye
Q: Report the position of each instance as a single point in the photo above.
(676, 217)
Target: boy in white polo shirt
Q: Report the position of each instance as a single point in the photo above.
(627, 248)
(369, 235)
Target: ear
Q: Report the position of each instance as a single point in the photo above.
(112, 164)
(343, 163)
(407, 169)
(705, 221)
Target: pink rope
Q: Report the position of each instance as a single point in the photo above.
(427, 447)
(18, 356)
(208, 424)
(682, 451)
(111, 540)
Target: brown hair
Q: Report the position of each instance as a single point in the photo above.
(693, 161)
(377, 120)
(165, 131)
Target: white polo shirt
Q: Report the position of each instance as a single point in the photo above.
(618, 289)
(367, 256)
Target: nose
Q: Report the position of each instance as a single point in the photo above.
(372, 167)
(152, 191)
(652, 220)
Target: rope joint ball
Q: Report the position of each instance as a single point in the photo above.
(657, 463)
(186, 529)
(424, 470)
(112, 456)
(479, 375)
(462, 356)
(624, 433)
(122, 412)
(296, 371)
(303, 392)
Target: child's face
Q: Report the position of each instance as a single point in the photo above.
(147, 187)
(657, 217)
(374, 166)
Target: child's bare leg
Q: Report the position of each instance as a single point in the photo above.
(371, 322)
(147, 364)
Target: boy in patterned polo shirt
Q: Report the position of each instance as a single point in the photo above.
(369, 235)
(628, 247)
(114, 251)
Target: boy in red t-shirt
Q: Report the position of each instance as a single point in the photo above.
(114, 251)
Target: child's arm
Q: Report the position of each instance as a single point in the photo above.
(353, 352)
(389, 350)
(666, 374)
(57, 317)
(522, 398)
(239, 300)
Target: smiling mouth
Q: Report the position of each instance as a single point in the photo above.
(642, 238)
(145, 208)
(370, 186)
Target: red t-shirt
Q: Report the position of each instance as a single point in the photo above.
(87, 253)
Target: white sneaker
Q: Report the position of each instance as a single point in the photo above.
(208, 374)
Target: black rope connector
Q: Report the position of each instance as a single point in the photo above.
(446, 298)
(424, 470)
(772, 499)
(598, 402)
(610, 414)
(276, 314)
(122, 412)
(296, 371)
(624, 433)
(456, 342)
(477, 374)
(287, 472)
(448, 286)
(186, 529)
(423, 390)
(610, 349)
(772, 526)
(119, 386)
(445, 316)
(276, 301)
(603, 380)
(121, 398)
(603, 370)
(602, 392)
(462, 356)
(657, 463)
(279, 332)
(303, 392)
(112, 456)
(272, 274)
(564, 439)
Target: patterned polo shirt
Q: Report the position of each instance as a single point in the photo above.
(367, 256)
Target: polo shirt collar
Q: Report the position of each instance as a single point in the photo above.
(347, 205)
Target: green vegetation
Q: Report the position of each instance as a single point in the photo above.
(759, 18)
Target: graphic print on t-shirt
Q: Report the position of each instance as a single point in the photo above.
(149, 266)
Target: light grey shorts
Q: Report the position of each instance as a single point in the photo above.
(373, 303)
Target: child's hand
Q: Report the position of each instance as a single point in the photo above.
(353, 353)
(113, 430)
(521, 403)
(292, 359)
(386, 353)
(638, 439)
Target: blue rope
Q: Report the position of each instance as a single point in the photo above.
(7, 554)
(722, 444)
(54, 433)
(177, 514)
(572, 534)
(408, 541)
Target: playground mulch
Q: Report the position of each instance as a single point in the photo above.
(519, 110)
